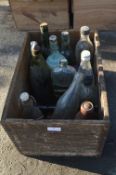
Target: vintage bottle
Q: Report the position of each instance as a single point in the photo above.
(65, 47)
(55, 56)
(40, 78)
(69, 103)
(88, 87)
(87, 111)
(44, 39)
(84, 44)
(62, 77)
(28, 107)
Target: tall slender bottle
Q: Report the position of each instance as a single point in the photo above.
(84, 44)
(88, 87)
(28, 107)
(40, 78)
(62, 77)
(65, 47)
(69, 103)
(45, 39)
(54, 58)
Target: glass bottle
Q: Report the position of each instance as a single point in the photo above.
(65, 47)
(87, 111)
(62, 77)
(45, 39)
(28, 107)
(55, 56)
(88, 88)
(40, 78)
(84, 44)
(69, 103)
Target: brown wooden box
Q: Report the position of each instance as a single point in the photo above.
(96, 14)
(55, 12)
(70, 137)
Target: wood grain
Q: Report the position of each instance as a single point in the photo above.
(54, 12)
(77, 137)
(96, 14)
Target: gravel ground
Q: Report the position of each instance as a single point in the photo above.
(11, 161)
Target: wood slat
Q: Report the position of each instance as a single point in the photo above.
(96, 14)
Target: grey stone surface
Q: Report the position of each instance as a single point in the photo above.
(11, 161)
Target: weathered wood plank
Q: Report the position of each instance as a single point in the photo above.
(97, 14)
(54, 12)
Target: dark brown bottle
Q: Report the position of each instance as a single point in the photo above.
(28, 107)
(87, 111)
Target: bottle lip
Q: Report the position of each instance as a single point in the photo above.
(85, 55)
(87, 105)
(63, 62)
(43, 24)
(33, 44)
(85, 30)
(65, 33)
(53, 38)
(24, 96)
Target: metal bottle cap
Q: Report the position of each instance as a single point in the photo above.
(85, 30)
(53, 38)
(85, 55)
(24, 96)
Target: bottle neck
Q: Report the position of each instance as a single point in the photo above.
(54, 46)
(85, 37)
(65, 42)
(45, 37)
(86, 65)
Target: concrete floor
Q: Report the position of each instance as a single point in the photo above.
(11, 161)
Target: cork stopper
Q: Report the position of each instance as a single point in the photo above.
(63, 62)
(87, 106)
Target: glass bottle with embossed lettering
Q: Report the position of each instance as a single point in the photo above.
(54, 58)
(62, 77)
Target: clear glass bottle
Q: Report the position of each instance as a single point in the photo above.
(88, 88)
(55, 56)
(62, 77)
(45, 39)
(28, 107)
(65, 47)
(40, 78)
(84, 44)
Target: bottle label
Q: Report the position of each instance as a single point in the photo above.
(54, 129)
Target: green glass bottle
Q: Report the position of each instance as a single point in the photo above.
(40, 78)
(84, 44)
(65, 47)
(54, 58)
(45, 39)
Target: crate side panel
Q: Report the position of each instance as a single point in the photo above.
(54, 12)
(96, 14)
(33, 138)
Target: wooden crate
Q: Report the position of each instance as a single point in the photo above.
(96, 14)
(69, 137)
(55, 12)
